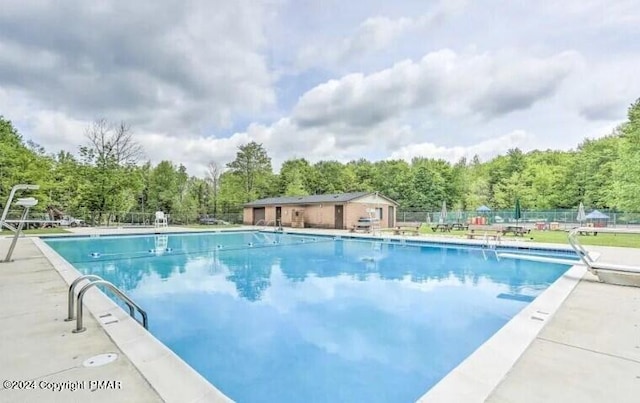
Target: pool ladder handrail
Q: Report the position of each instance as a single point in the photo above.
(95, 281)
(579, 249)
(264, 222)
(486, 243)
(277, 224)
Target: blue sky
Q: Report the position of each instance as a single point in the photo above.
(320, 79)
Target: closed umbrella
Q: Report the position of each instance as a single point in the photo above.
(517, 214)
(443, 212)
(581, 214)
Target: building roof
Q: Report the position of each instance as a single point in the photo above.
(312, 199)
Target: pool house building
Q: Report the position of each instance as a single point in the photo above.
(332, 211)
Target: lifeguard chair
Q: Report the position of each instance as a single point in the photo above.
(160, 220)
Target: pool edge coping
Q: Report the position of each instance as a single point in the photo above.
(158, 364)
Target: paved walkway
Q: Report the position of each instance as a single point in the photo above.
(38, 348)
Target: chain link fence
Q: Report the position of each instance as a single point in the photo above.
(564, 218)
(83, 217)
(133, 218)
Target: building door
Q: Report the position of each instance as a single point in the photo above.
(391, 217)
(258, 215)
(278, 216)
(339, 214)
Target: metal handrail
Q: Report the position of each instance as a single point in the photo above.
(258, 222)
(130, 303)
(577, 247)
(487, 244)
(72, 287)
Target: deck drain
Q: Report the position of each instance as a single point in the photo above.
(107, 319)
(100, 360)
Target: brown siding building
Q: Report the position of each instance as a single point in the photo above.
(336, 211)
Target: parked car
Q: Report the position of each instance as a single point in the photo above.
(68, 221)
(206, 220)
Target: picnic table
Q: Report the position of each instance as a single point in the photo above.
(588, 232)
(441, 228)
(515, 230)
(449, 227)
(459, 226)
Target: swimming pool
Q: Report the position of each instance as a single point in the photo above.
(272, 317)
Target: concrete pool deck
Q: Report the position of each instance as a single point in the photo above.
(38, 346)
(588, 351)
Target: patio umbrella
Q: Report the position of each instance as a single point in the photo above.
(581, 215)
(443, 212)
(596, 215)
(517, 214)
(483, 209)
(599, 219)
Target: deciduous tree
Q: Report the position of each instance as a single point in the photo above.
(253, 166)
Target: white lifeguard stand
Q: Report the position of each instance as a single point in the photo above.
(160, 220)
(27, 203)
(16, 188)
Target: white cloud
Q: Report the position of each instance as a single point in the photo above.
(375, 33)
(597, 13)
(485, 149)
(185, 64)
(599, 94)
(55, 130)
(444, 82)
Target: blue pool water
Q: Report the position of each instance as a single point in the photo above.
(282, 318)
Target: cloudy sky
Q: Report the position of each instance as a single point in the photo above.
(323, 79)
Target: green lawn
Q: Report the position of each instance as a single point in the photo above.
(602, 239)
(42, 231)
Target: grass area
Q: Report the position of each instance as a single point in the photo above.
(560, 237)
(602, 239)
(41, 231)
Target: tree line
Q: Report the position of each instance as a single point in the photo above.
(108, 174)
